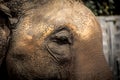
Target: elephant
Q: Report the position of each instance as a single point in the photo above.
(50, 40)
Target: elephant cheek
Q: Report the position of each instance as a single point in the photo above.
(29, 62)
(90, 63)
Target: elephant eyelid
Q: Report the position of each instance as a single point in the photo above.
(62, 35)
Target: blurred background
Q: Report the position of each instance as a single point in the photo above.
(108, 15)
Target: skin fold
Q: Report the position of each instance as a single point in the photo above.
(54, 40)
(4, 34)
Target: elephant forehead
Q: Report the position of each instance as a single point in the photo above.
(38, 23)
(28, 29)
(80, 20)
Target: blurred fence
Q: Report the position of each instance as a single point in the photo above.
(111, 42)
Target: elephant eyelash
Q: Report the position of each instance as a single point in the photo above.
(61, 40)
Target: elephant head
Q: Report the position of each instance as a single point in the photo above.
(54, 40)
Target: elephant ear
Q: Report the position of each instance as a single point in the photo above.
(4, 31)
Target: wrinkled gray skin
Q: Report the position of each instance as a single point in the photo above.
(51, 40)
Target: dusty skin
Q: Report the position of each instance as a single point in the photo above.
(50, 40)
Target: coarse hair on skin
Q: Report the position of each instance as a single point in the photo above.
(18, 6)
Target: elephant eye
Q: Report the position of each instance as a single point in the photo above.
(62, 37)
(61, 40)
(59, 45)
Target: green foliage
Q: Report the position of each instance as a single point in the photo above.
(103, 7)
